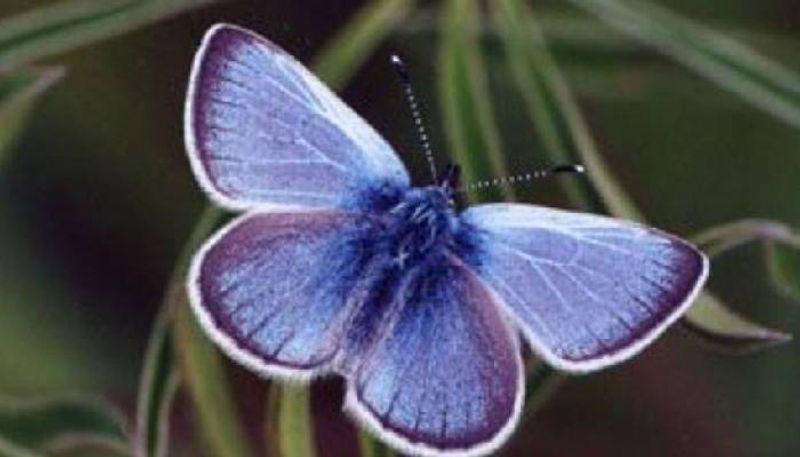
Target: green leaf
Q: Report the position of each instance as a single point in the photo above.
(783, 263)
(554, 112)
(290, 430)
(9, 449)
(54, 424)
(201, 364)
(19, 91)
(204, 374)
(524, 47)
(540, 383)
(371, 447)
(65, 25)
(556, 105)
(709, 318)
(719, 239)
(726, 330)
(157, 387)
(343, 54)
(732, 65)
(470, 127)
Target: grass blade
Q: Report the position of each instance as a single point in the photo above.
(157, 387)
(551, 103)
(370, 447)
(715, 324)
(783, 263)
(55, 424)
(159, 376)
(343, 54)
(65, 25)
(470, 127)
(19, 91)
(291, 431)
(554, 111)
(717, 240)
(522, 44)
(204, 375)
(732, 65)
(202, 371)
(9, 449)
(711, 320)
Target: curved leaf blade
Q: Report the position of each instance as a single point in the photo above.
(290, 429)
(553, 110)
(370, 447)
(556, 106)
(19, 91)
(709, 318)
(762, 82)
(726, 330)
(340, 58)
(203, 373)
(470, 127)
(783, 263)
(201, 365)
(523, 45)
(43, 425)
(9, 449)
(719, 239)
(62, 26)
(157, 388)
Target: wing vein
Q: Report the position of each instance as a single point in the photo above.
(542, 274)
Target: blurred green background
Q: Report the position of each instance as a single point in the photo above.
(96, 200)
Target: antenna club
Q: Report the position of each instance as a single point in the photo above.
(400, 68)
(570, 168)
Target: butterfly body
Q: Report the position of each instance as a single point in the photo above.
(421, 224)
(339, 266)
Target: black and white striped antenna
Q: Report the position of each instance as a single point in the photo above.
(521, 177)
(404, 77)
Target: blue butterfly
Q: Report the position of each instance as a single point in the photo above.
(339, 266)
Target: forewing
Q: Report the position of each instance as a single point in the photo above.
(272, 288)
(586, 291)
(446, 377)
(261, 130)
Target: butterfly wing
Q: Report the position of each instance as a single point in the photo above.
(262, 131)
(446, 377)
(263, 288)
(586, 291)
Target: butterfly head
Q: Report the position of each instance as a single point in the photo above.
(449, 182)
(423, 222)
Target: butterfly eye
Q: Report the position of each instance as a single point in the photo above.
(451, 178)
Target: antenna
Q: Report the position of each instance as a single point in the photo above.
(523, 177)
(401, 71)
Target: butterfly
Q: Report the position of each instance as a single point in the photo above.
(338, 266)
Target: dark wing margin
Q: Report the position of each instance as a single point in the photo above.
(261, 131)
(586, 291)
(262, 288)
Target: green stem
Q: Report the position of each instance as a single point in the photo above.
(469, 120)
(65, 25)
(201, 365)
(721, 238)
